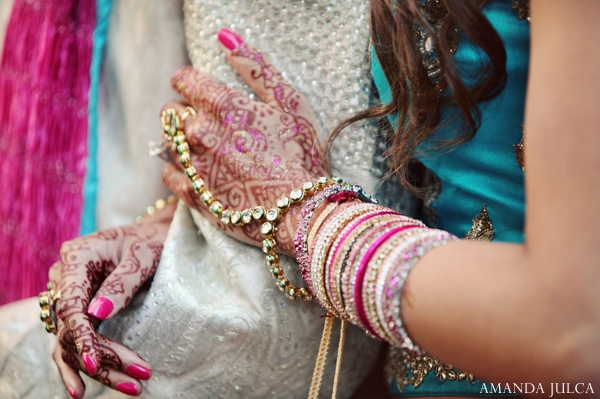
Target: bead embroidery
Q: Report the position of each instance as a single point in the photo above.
(522, 8)
(520, 151)
(400, 363)
(482, 229)
(436, 14)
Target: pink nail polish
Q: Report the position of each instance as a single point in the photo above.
(229, 39)
(72, 392)
(101, 308)
(89, 363)
(128, 388)
(139, 372)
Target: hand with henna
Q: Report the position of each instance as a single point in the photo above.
(97, 276)
(247, 152)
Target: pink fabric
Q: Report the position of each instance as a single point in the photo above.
(44, 83)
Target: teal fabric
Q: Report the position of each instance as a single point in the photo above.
(90, 188)
(483, 171)
(433, 386)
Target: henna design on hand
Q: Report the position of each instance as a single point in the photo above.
(112, 287)
(285, 94)
(248, 152)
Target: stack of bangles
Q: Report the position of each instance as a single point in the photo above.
(355, 257)
(359, 259)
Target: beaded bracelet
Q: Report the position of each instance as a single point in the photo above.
(300, 241)
(158, 205)
(324, 215)
(172, 125)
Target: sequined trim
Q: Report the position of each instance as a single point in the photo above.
(482, 228)
(436, 14)
(406, 369)
(520, 151)
(522, 8)
(520, 154)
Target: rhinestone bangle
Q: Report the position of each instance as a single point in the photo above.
(339, 249)
(392, 278)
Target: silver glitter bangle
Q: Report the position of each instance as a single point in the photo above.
(390, 283)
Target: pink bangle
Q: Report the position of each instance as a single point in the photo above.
(357, 251)
(332, 265)
(389, 254)
(362, 269)
(321, 247)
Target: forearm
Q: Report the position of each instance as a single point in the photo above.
(530, 312)
(491, 310)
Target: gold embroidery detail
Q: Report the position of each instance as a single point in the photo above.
(522, 8)
(520, 152)
(401, 363)
(436, 13)
(482, 228)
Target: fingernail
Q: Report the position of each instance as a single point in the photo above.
(128, 388)
(229, 39)
(101, 308)
(89, 363)
(72, 392)
(139, 372)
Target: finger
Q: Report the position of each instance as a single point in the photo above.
(197, 128)
(64, 337)
(182, 187)
(264, 79)
(200, 90)
(138, 263)
(123, 359)
(113, 355)
(81, 269)
(181, 109)
(106, 375)
(70, 377)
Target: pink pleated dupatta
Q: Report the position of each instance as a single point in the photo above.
(44, 83)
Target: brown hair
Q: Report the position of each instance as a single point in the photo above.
(416, 99)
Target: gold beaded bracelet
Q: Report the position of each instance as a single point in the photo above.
(158, 206)
(172, 125)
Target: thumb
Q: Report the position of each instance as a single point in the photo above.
(264, 79)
